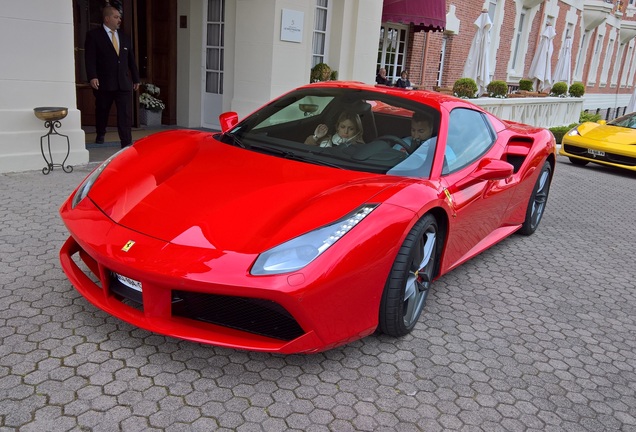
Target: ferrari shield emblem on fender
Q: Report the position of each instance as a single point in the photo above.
(128, 245)
(450, 201)
(448, 196)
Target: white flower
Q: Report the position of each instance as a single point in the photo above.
(149, 100)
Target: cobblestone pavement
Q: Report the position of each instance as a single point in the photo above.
(536, 334)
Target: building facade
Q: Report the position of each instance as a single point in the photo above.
(601, 34)
(211, 56)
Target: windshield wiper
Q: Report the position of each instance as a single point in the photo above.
(234, 139)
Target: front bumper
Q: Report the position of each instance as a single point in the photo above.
(229, 321)
(608, 157)
(208, 296)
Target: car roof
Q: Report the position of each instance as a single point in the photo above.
(432, 98)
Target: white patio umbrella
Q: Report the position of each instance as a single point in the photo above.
(541, 67)
(477, 64)
(563, 70)
(631, 106)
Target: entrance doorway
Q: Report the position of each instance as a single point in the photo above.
(152, 26)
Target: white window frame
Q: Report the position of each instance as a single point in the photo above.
(442, 59)
(598, 50)
(394, 67)
(631, 61)
(580, 60)
(617, 65)
(322, 17)
(607, 62)
(519, 38)
(211, 71)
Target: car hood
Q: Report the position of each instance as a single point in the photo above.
(609, 133)
(187, 188)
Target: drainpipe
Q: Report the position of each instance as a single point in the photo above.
(424, 56)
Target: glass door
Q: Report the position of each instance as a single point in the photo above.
(392, 50)
(214, 63)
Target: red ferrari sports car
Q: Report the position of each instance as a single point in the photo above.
(320, 218)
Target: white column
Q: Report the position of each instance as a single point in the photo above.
(38, 69)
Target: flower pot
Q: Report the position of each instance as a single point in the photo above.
(149, 118)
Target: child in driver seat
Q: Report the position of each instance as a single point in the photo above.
(348, 131)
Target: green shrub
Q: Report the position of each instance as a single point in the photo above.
(559, 88)
(560, 131)
(577, 89)
(497, 88)
(588, 117)
(465, 88)
(334, 75)
(525, 84)
(320, 72)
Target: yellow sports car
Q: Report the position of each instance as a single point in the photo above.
(609, 143)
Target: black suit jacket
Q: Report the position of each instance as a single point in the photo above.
(102, 62)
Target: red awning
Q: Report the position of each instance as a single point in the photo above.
(427, 15)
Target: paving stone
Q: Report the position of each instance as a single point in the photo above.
(535, 334)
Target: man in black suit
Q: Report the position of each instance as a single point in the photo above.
(113, 74)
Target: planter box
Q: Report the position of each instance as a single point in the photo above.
(149, 118)
(540, 111)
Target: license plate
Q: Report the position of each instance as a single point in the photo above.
(130, 283)
(596, 152)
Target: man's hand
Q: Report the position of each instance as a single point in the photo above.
(95, 83)
(135, 86)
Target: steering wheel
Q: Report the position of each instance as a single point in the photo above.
(396, 140)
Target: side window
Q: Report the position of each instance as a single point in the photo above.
(470, 135)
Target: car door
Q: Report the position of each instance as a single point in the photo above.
(477, 201)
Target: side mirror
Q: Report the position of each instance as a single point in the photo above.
(602, 122)
(487, 169)
(493, 169)
(228, 120)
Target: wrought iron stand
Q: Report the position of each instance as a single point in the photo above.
(52, 117)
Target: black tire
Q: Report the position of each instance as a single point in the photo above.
(578, 162)
(409, 281)
(537, 201)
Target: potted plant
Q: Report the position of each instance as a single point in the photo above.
(150, 105)
(577, 89)
(525, 84)
(559, 89)
(465, 88)
(497, 89)
(321, 72)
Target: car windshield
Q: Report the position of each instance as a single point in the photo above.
(626, 121)
(344, 128)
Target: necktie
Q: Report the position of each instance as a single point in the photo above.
(114, 39)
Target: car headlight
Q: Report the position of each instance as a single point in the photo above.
(300, 251)
(574, 132)
(88, 182)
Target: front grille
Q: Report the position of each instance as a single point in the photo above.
(262, 317)
(609, 157)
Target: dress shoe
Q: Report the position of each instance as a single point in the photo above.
(99, 139)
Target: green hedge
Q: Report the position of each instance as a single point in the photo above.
(560, 131)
